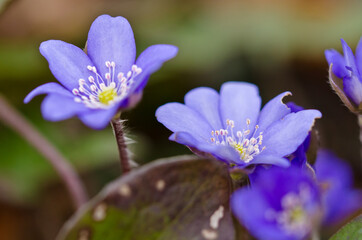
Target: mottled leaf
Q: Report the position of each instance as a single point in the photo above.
(352, 230)
(175, 198)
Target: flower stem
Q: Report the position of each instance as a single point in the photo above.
(360, 131)
(121, 142)
(65, 171)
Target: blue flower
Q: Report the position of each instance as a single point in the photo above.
(347, 70)
(106, 79)
(230, 126)
(282, 204)
(339, 197)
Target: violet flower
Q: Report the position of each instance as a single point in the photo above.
(346, 79)
(230, 126)
(339, 197)
(106, 79)
(282, 204)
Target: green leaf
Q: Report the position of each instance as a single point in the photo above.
(176, 198)
(352, 230)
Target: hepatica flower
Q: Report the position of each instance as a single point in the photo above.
(340, 199)
(97, 84)
(230, 126)
(282, 204)
(346, 79)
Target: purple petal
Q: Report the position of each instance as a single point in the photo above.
(150, 60)
(335, 58)
(350, 60)
(359, 56)
(271, 160)
(57, 107)
(98, 119)
(284, 137)
(352, 87)
(239, 101)
(340, 198)
(179, 118)
(206, 102)
(250, 206)
(111, 39)
(273, 111)
(67, 62)
(47, 88)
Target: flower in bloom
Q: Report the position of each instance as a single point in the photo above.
(346, 75)
(339, 197)
(230, 126)
(282, 204)
(96, 84)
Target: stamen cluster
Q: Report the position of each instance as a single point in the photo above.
(293, 217)
(99, 92)
(247, 147)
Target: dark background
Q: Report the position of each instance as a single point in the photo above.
(278, 45)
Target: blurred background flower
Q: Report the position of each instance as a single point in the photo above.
(278, 45)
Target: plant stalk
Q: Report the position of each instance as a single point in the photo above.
(121, 143)
(360, 131)
(24, 128)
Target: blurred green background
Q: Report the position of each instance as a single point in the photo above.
(278, 45)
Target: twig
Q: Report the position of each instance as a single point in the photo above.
(19, 124)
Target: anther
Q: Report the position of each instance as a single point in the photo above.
(108, 64)
(108, 76)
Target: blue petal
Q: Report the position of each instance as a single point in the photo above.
(150, 60)
(352, 87)
(339, 64)
(57, 107)
(179, 118)
(340, 198)
(273, 111)
(359, 56)
(47, 88)
(272, 160)
(350, 60)
(250, 206)
(111, 39)
(223, 153)
(284, 136)
(67, 62)
(206, 102)
(238, 102)
(98, 119)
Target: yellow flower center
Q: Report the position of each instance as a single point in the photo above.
(107, 95)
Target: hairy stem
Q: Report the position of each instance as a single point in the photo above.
(121, 143)
(360, 131)
(19, 124)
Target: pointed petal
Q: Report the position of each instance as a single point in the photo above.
(273, 111)
(359, 56)
(339, 64)
(350, 60)
(239, 101)
(47, 88)
(206, 102)
(150, 60)
(98, 119)
(67, 62)
(179, 118)
(57, 107)
(111, 39)
(284, 137)
(352, 87)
